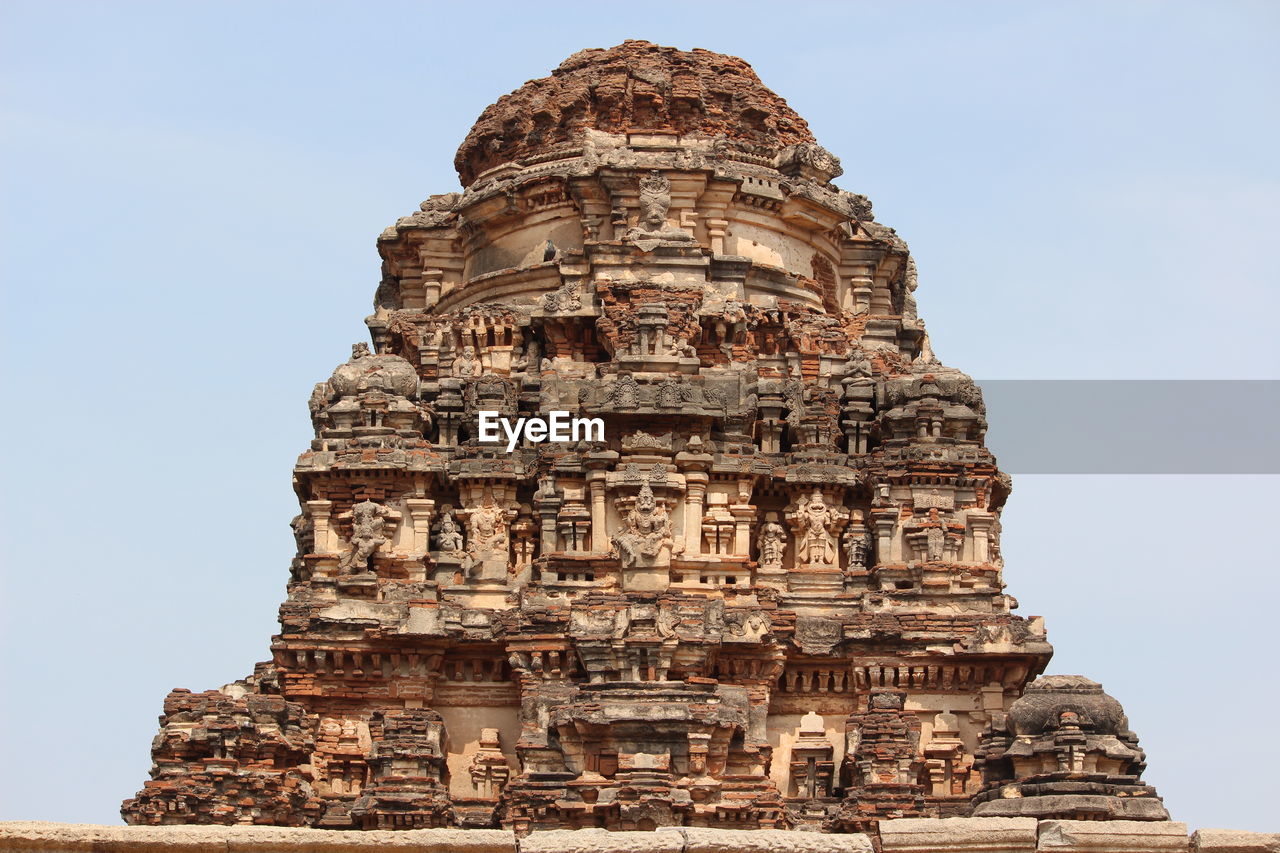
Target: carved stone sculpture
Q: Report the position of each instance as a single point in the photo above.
(857, 547)
(450, 537)
(815, 524)
(645, 538)
(466, 364)
(772, 542)
(488, 539)
(368, 533)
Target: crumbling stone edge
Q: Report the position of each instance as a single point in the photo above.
(908, 835)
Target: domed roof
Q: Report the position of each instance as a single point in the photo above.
(1048, 697)
(390, 374)
(635, 86)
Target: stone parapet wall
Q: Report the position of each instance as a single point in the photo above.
(908, 835)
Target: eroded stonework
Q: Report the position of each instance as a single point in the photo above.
(770, 597)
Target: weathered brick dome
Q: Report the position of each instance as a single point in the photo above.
(1048, 697)
(635, 86)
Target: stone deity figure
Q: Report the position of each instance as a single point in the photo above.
(655, 200)
(667, 622)
(647, 532)
(682, 349)
(816, 545)
(857, 366)
(857, 547)
(546, 489)
(360, 350)
(368, 532)
(532, 358)
(467, 364)
(935, 542)
(484, 525)
(449, 538)
(488, 539)
(772, 542)
(303, 533)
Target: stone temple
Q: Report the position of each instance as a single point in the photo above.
(751, 581)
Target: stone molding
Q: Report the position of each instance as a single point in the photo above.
(916, 835)
(75, 837)
(1235, 841)
(1112, 836)
(923, 835)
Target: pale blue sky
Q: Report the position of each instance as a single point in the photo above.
(191, 196)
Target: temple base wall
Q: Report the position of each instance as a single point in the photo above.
(910, 835)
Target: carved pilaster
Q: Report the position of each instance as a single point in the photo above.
(325, 539)
(696, 486)
(421, 512)
(599, 512)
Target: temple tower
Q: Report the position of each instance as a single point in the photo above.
(748, 576)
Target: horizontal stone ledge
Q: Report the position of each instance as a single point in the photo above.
(905, 835)
(1113, 836)
(1234, 841)
(91, 838)
(930, 835)
(601, 841)
(680, 839)
(770, 841)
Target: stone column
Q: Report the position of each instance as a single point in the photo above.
(743, 516)
(322, 532)
(411, 290)
(547, 511)
(716, 230)
(421, 511)
(696, 485)
(886, 523)
(993, 697)
(599, 513)
(980, 537)
(431, 280)
(860, 286)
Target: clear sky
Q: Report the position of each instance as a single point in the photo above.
(191, 196)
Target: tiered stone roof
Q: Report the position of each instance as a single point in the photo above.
(760, 586)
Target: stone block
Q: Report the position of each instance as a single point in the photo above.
(601, 841)
(929, 835)
(1234, 841)
(1113, 836)
(699, 840)
(73, 838)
